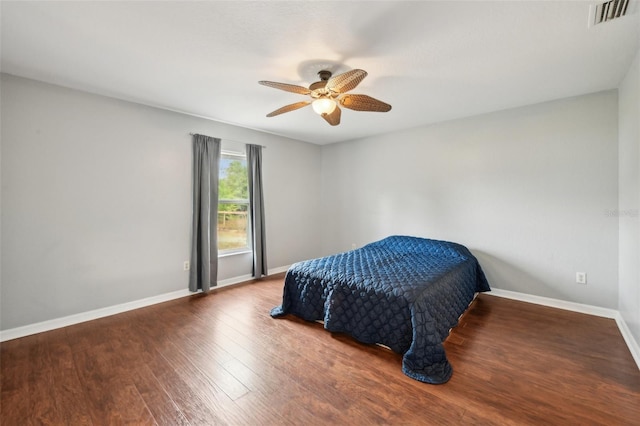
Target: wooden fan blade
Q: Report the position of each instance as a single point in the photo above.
(344, 82)
(334, 117)
(289, 108)
(364, 103)
(286, 87)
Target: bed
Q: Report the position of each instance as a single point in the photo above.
(402, 292)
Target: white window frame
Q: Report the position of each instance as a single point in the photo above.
(248, 248)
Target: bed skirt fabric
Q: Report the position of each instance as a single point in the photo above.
(403, 292)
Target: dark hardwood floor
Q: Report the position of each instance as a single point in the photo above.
(221, 359)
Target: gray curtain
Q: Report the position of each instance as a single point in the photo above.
(256, 207)
(204, 235)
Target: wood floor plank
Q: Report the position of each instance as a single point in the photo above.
(187, 397)
(112, 399)
(67, 389)
(14, 386)
(551, 374)
(286, 366)
(221, 359)
(349, 380)
(163, 409)
(42, 405)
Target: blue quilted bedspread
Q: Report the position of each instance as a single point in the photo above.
(403, 292)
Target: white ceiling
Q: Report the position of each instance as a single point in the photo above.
(431, 60)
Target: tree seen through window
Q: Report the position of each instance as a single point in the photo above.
(233, 203)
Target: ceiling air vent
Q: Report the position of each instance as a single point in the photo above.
(608, 11)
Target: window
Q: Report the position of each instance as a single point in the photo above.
(233, 204)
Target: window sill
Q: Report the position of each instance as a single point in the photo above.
(233, 253)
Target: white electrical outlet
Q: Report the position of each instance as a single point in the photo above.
(186, 265)
(581, 277)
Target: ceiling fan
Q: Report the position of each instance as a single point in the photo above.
(327, 93)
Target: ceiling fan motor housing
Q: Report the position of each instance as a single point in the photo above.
(324, 77)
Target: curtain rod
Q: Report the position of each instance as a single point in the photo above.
(230, 140)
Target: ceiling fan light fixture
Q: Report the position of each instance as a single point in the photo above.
(324, 106)
(327, 93)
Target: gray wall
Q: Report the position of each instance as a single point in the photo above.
(528, 190)
(629, 200)
(96, 201)
(96, 197)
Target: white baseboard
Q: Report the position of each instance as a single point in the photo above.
(628, 338)
(632, 344)
(232, 281)
(554, 303)
(43, 326)
(279, 270)
(40, 327)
